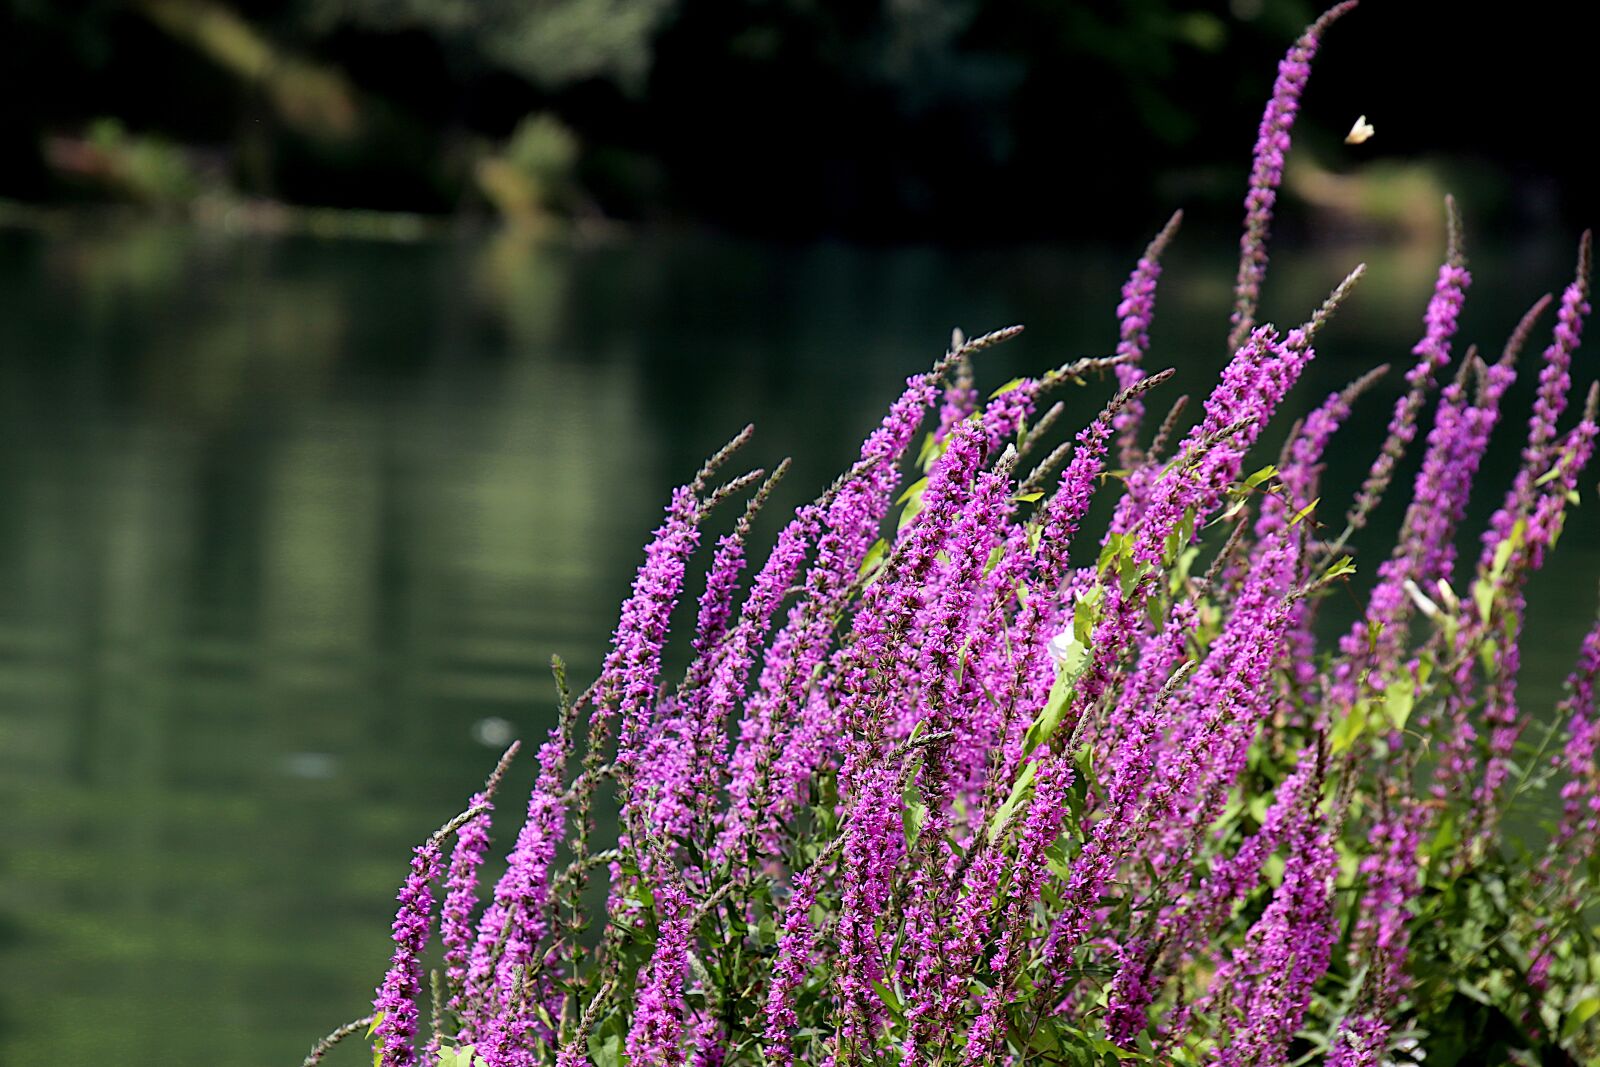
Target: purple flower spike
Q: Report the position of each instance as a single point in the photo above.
(1266, 174)
(1133, 332)
(396, 1002)
(656, 1036)
(1555, 381)
(461, 894)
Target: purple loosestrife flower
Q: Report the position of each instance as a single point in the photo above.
(1195, 483)
(1303, 470)
(1027, 684)
(1269, 979)
(783, 736)
(960, 395)
(461, 894)
(1580, 796)
(1433, 353)
(1439, 498)
(1361, 1042)
(877, 662)
(680, 747)
(1577, 832)
(988, 671)
(1208, 757)
(716, 602)
(1425, 551)
(1555, 381)
(1501, 713)
(396, 1002)
(1252, 386)
(1392, 878)
(1300, 477)
(971, 922)
(634, 663)
(789, 970)
(1255, 617)
(656, 1034)
(1133, 336)
(972, 540)
(707, 1042)
(1549, 510)
(1140, 720)
(730, 676)
(1190, 924)
(1004, 414)
(1266, 173)
(629, 674)
(1042, 824)
(517, 919)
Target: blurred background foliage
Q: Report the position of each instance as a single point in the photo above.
(951, 120)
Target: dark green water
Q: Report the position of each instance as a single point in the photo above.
(284, 522)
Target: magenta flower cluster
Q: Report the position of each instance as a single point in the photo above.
(950, 777)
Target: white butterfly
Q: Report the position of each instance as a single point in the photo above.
(1359, 132)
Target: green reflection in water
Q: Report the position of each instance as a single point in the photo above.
(286, 521)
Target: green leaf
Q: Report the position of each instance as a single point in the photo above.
(1086, 613)
(1258, 477)
(913, 812)
(1020, 791)
(1303, 512)
(1072, 664)
(1503, 551)
(912, 510)
(1580, 1014)
(1399, 699)
(1028, 498)
(913, 490)
(1374, 631)
(1341, 567)
(1006, 388)
(1129, 573)
(1182, 567)
(890, 1001)
(605, 1045)
(1116, 547)
(874, 557)
(1349, 729)
(1444, 840)
(1483, 597)
(377, 1049)
(1058, 856)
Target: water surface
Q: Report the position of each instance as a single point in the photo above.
(289, 529)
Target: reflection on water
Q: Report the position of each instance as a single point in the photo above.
(290, 529)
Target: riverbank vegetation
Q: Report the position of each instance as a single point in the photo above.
(952, 777)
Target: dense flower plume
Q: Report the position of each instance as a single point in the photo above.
(956, 779)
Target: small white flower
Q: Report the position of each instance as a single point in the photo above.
(1418, 597)
(1449, 597)
(1060, 647)
(1359, 132)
